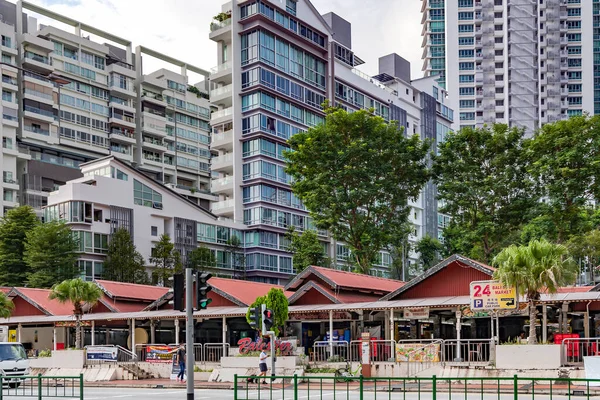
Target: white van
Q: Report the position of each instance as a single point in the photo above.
(13, 363)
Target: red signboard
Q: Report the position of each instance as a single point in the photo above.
(159, 354)
(246, 345)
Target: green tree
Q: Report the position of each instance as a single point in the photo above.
(482, 178)
(79, 293)
(51, 254)
(356, 174)
(202, 259)
(564, 159)
(237, 256)
(166, 260)
(429, 251)
(306, 250)
(13, 231)
(276, 301)
(586, 249)
(123, 262)
(6, 306)
(539, 266)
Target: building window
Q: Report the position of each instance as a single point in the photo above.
(154, 231)
(144, 195)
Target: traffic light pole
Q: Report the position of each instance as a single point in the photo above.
(273, 352)
(189, 332)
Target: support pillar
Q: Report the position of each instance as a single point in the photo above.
(133, 335)
(458, 329)
(586, 324)
(66, 337)
(224, 337)
(544, 323)
(331, 333)
(152, 331)
(107, 336)
(392, 330)
(54, 337)
(19, 327)
(93, 333)
(177, 332)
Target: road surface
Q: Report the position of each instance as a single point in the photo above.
(216, 394)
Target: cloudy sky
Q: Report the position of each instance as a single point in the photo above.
(180, 27)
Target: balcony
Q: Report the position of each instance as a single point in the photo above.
(39, 131)
(153, 144)
(122, 136)
(38, 62)
(223, 208)
(123, 120)
(222, 141)
(222, 185)
(39, 114)
(223, 163)
(221, 73)
(220, 30)
(221, 95)
(10, 83)
(154, 98)
(152, 160)
(221, 116)
(155, 128)
(122, 88)
(10, 183)
(36, 95)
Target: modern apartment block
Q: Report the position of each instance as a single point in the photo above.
(278, 62)
(70, 97)
(521, 62)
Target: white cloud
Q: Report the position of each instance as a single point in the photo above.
(180, 28)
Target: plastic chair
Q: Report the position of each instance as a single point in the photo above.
(476, 353)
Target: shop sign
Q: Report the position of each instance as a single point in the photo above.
(71, 324)
(246, 345)
(492, 295)
(319, 316)
(416, 313)
(159, 354)
(105, 353)
(416, 352)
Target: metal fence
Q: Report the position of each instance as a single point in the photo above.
(42, 387)
(123, 355)
(472, 351)
(330, 351)
(209, 352)
(380, 350)
(360, 388)
(573, 350)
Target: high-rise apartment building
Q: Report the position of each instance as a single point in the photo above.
(74, 96)
(278, 62)
(521, 62)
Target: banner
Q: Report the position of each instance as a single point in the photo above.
(416, 313)
(106, 353)
(417, 352)
(159, 354)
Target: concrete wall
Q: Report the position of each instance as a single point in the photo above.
(44, 336)
(528, 357)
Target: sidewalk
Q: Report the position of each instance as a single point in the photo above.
(153, 383)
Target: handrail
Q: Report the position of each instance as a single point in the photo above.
(127, 352)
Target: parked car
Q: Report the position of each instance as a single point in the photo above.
(13, 363)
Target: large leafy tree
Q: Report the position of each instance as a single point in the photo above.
(429, 250)
(356, 173)
(202, 259)
(306, 250)
(166, 260)
(585, 249)
(564, 159)
(482, 178)
(539, 266)
(51, 254)
(123, 262)
(79, 293)
(13, 231)
(276, 301)
(6, 306)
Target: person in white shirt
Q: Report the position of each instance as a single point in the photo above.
(262, 364)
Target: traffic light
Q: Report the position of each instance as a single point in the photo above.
(268, 319)
(254, 317)
(178, 292)
(202, 286)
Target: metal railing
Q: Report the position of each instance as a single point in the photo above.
(123, 355)
(337, 351)
(358, 387)
(424, 357)
(573, 350)
(209, 352)
(476, 351)
(42, 387)
(380, 350)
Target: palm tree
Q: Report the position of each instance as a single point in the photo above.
(78, 292)
(539, 266)
(6, 306)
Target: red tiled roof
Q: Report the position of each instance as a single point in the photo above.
(5, 289)
(39, 298)
(338, 297)
(131, 290)
(574, 289)
(244, 291)
(359, 281)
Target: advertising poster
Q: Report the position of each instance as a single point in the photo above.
(106, 353)
(417, 352)
(160, 354)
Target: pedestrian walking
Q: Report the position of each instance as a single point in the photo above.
(181, 362)
(262, 364)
